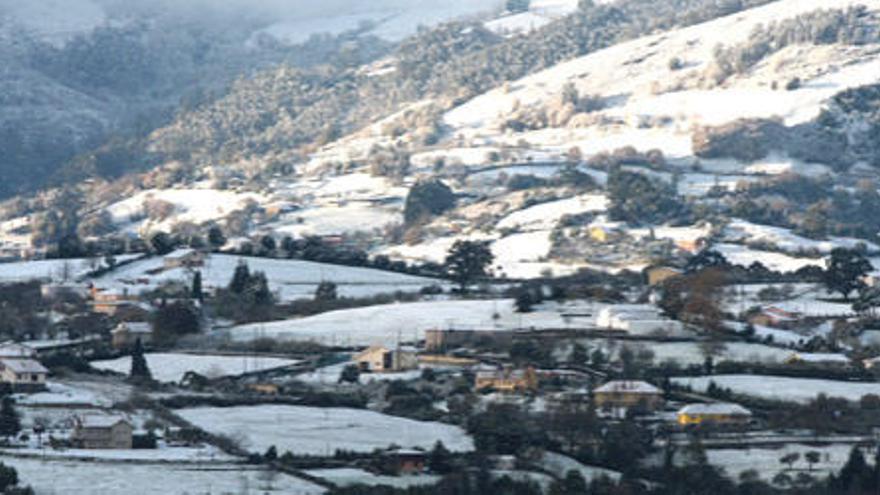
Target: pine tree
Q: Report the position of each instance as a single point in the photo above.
(197, 286)
(140, 372)
(10, 422)
(240, 278)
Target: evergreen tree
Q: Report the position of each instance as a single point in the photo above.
(216, 238)
(10, 422)
(8, 477)
(140, 372)
(440, 459)
(197, 286)
(240, 278)
(524, 302)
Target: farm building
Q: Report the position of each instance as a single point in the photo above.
(627, 393)
(126, 334)
(96, 431)
(183, 258)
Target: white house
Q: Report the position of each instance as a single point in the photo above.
(636, 318)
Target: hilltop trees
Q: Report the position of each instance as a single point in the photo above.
(468, 261)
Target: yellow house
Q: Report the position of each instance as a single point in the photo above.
(381, 359)
(718, 414)
(600, 234)
(656, 275)
(507, 380)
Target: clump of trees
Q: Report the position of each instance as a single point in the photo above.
(427, 199)
(820, 27)
(247, 298)
(639, 200)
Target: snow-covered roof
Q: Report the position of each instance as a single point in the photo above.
(23, 365)
(180, 254)
(819, 357)
(628, 386)
(14, 350)
(134, 327)
(725, 409)
(101, 420)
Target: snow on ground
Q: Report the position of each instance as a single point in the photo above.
(49, 477)
(690, 353)
(781, 388)
(190, 205)
(353, 476)
(59, 394)
(744, 256)
(289, 279)
(766, 460)
(387, 324)
(204, 454)
(58, 271)
(545, 216)
(172, 367)
(647, 98)
(539, 14)
(741, 231)
(560, 465)
(322, 431)
(333, 219)
(329, 375)
(391, 20)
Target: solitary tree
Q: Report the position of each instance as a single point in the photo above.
(845, 271)
(240, 278)
(197, 286)
(790, 459)
(140, 372)
(216, 238)
(440, 459)
(468, 261)
(326, 291)
(350, 374)
(812, 457)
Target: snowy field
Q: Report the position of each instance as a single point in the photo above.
(801, 390)
(51, 477)
(321, 431)
(172, 367)
(742, 231)
(329, 375)
(545, 216)
(766, 461)
(387, 324)
(353, 476)
(690, 353)
(57, 271)
(290, 279)
(205, 454)
(745, 256)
